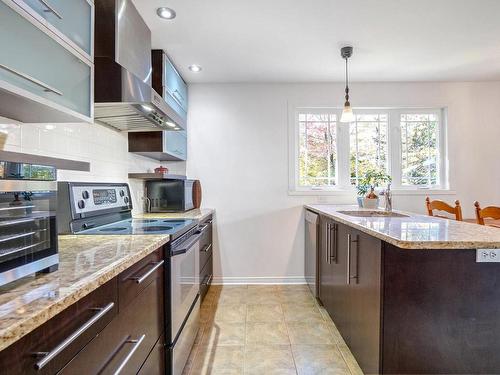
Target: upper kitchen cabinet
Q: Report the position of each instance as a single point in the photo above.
(73, 19)
(159, 145)
(46, 67)
(168, 82)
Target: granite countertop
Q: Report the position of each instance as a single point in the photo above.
(196, 214)
(85, 263)
(416, 231)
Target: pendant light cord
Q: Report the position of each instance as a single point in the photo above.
(346, 82)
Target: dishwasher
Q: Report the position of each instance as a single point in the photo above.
(311, 261)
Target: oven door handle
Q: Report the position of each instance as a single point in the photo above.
(188, 244)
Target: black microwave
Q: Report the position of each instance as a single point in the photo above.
(170, 195)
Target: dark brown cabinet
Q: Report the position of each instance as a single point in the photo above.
(206, 258)
(410, 311)
(350, 288)
(116, 327)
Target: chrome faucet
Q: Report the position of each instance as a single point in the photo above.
(388, 198)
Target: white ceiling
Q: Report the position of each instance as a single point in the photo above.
(299, 40)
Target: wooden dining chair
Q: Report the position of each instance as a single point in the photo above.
(439, 205)
(490, 212)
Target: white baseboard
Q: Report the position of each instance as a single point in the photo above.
(221, 280)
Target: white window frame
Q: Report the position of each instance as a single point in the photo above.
(343, 185)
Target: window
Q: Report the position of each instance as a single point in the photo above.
(318, 151)
(407, 144)
(419, 149)
(368, 144)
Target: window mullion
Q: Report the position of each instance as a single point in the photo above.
(395, 165)
(343, 154)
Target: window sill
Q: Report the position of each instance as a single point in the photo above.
(351, 192)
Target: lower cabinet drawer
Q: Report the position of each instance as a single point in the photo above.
(125, 343)
(206, 276)
(62, 337)
(155, 363)
(206, 248)
(137, 277)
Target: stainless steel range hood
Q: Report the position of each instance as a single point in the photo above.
(124, 98)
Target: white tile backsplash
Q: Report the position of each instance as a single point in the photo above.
(104, 148)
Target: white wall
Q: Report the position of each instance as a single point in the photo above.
(104, 148)
(238, 147)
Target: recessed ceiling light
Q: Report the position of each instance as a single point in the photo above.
(166, 13)
(194, 68)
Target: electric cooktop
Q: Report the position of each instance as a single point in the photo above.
(142, 226)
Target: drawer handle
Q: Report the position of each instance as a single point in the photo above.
(49, 356)
(140, 279)
(207, 248)
(136, 343)
(43, 85)
(50, 9)
(208, 281)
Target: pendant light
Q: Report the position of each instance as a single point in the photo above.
(347, 115)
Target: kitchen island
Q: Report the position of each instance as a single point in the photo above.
(406, 292)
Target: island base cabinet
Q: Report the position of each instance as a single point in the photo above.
(407, 311)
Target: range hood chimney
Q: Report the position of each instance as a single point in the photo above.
(123, 96)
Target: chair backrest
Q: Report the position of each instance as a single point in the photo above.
(491, 212)
(443, 206)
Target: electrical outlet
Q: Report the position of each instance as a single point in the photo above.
(487, 255)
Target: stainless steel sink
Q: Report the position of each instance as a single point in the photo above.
(372, 214)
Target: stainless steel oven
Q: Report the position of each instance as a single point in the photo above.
(28, 233)
(184, 280)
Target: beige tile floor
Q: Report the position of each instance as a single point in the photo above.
(267, 329)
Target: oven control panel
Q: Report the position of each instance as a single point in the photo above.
(93, 198)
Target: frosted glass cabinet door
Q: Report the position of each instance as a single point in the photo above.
(31, 60)
(73, 18)
(175, 85)
(176, 144)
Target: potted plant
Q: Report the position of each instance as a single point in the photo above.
(372, 179)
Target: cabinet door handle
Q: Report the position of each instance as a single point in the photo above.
(207, 248)
(41, 84)
(50, 9)
(136, 345)
(349, 248)
(333, 244)
(327, 247)
(203, 227)
(140, 279)
(49, 356)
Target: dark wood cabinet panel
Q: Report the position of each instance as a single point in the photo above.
(440, 313)
(136, 278)
(365, 300)
(206, 276)
(206, 256)
(350, 288)
(19, 358)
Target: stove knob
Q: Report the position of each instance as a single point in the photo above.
(81, 204)
(122, 193)
(85, 194)
(126, 200)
